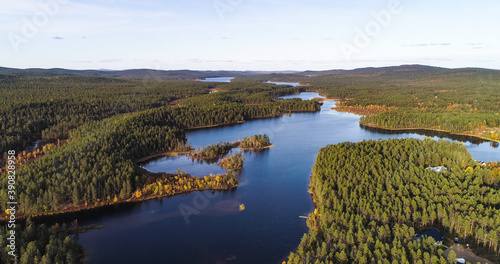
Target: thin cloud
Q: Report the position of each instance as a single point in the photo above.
(417, 45)
(111, 60)
(427, 44)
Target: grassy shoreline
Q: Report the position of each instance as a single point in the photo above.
(266, 147)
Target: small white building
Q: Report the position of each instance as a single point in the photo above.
(438, 169)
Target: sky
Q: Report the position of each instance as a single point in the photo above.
(273, 35)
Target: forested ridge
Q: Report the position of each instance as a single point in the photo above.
(372, 197)
(48, 108)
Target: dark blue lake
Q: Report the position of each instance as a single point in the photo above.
(274, 190)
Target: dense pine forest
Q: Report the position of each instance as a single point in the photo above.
(43, 245)
(48, 108)
(372, 197)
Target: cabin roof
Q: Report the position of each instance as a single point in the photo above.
(434, 233)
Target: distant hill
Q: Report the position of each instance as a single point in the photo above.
(133, 73)
(369, 70)
(191, 74)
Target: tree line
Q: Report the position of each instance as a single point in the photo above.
(484, 124)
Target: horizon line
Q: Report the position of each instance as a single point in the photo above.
(270, 71)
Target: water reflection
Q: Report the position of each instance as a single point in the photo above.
(428, 133)
(194, 167)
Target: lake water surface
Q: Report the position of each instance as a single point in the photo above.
(274, 190)
(218, 79)
(285, 83)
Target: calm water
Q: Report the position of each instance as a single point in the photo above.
(228, 79)
(218, 79)
(274, 190)
(194, 167)
(285, 83)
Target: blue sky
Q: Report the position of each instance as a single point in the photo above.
(248, 34)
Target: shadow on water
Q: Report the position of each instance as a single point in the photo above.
(428, 133)
(91, 215)
(94, 216)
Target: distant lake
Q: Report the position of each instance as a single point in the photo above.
(218, 79)
(274, 189)
(285, 83)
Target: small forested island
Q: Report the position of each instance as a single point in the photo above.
(255, 142)
(373, 197)
(215, 151)
(232, 162)
(165, 184)
(211, 152)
